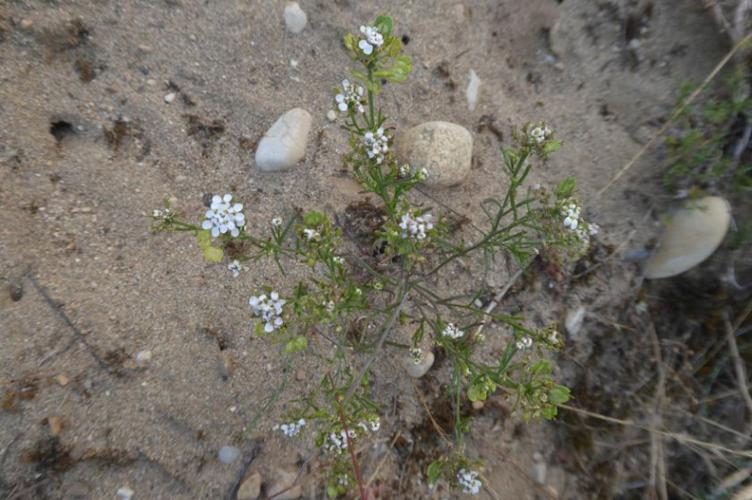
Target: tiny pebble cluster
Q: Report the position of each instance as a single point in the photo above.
(269, 309)
(224, 216)
(416, 227)
(468, 481)
(452, 332)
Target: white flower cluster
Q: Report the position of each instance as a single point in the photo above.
(224, 216)
(292, 429)
(373, 39)
(540, 134)
(377, 144)
(235, 268)
(162, 213)
(570, 211)
(276, 221)
(337, 442)
(269, 309)
(468, 481)
(311, 234)
(452, 332)
(351, 95)
(524, 343)
(416, 227)
(373, 425)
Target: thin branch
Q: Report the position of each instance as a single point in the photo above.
(495, 302)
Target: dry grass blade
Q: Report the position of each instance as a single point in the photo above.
(676, 114)
(741, 372)
(657, 458)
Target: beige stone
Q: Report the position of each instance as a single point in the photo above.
(444, 149)
(690, 236)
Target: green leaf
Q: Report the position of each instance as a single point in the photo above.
(213, 255)
(350, 41)
(552, 146)
(314, 219)
(477, 393)
(384, 24)
(203, 238)
(296, 345)
(434, 471)
(559, 395)
(566, 187)
(332, 491)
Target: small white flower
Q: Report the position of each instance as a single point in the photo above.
(376, 144)
(468, 481)
(524, 343)
(373, 39)
(539, 134)
(269, 309)
(235, 268)
(337, 442)
(452, 332)
(338, 260)
(277, 221)
(311, 234)
(224, 216)
(416, 227)
(352, 95)
(292, 429)
(404, 170)
(423, 174)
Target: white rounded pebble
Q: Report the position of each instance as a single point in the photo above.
(331, 115)
(143, 357)
(295, 18)
(284, 144)
(690, 236)
(228, 454)
(124, 494)
(169, 97)
(573, 321)
(473, 87)
(417, 370)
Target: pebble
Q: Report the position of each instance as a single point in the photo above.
(690, 236)
(539, 473)
(473, 87)
(331, 115)
(27, 23)
(228, 454)
(420, 369)
(250, 488)
(278, 489)
(62, 380)
(15, 290)
(169, 97)
(295, 18)
(143, 358)
(284, 144)
(124, 493)
(444, 149)
(573, 320)
(56, 425)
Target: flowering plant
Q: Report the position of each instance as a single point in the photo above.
(357, 302)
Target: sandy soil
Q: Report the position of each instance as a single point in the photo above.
(88, 147)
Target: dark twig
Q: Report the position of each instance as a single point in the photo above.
(76, 332)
